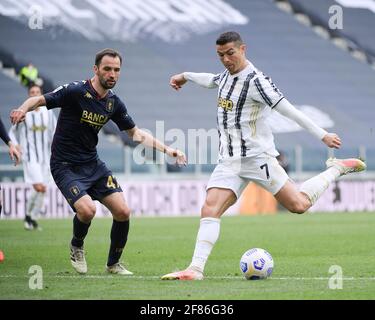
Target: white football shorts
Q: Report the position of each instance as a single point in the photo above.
(263, 170)
(36, 173)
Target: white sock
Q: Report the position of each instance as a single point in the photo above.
(315, 186)
(31, 203)
(208, 234)
(38, 205)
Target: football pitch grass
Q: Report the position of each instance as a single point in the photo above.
(304, 248)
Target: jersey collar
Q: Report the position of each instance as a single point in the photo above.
(96, 94)
(249, 67)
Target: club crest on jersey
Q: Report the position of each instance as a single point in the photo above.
(227, 105)
(109, 105)
(88, 95)
(74, 191)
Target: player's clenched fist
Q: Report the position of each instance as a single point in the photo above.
(17, 116)
(180, 158)
(179, 155)
(177, 81)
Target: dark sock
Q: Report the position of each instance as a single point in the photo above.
(80, 230)
(119, 235)
(28, 218)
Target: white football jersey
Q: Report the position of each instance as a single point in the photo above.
(35, 135)
(245, 100)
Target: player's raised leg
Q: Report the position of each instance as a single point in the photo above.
(299, 201)
(85, 212)
(116, 204)
(217, 201)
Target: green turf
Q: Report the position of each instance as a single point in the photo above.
(303, 247)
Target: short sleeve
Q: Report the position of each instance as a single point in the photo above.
(60, 97)
(121, 117)
(262, 89)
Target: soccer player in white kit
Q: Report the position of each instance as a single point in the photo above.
(246, 97)
(34, 138)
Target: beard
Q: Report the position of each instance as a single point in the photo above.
(106, 83)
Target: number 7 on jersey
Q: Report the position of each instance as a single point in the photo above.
(267, 172)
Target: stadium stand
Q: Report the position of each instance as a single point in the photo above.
(360, 35)
(308, 69)
(15, 94)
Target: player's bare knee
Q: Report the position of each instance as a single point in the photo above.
(209, 211)
(86, 214)
(298, 207)
(86, 211)
(123, 214)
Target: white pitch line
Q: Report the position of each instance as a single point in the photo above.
(158, 277)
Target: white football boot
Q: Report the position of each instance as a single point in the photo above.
(118, 268)
(77, 258)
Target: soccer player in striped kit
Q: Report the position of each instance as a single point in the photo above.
(34, 138)
(247, 152)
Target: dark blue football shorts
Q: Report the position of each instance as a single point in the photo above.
(75, 181)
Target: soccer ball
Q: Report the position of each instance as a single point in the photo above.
(256, 264)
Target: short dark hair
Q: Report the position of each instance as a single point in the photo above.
(34, 85)
(106, 52)
(227, 37)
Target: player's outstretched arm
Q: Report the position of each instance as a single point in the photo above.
(18, 115)
(284, 107)
(148, 140)
(207, 80)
